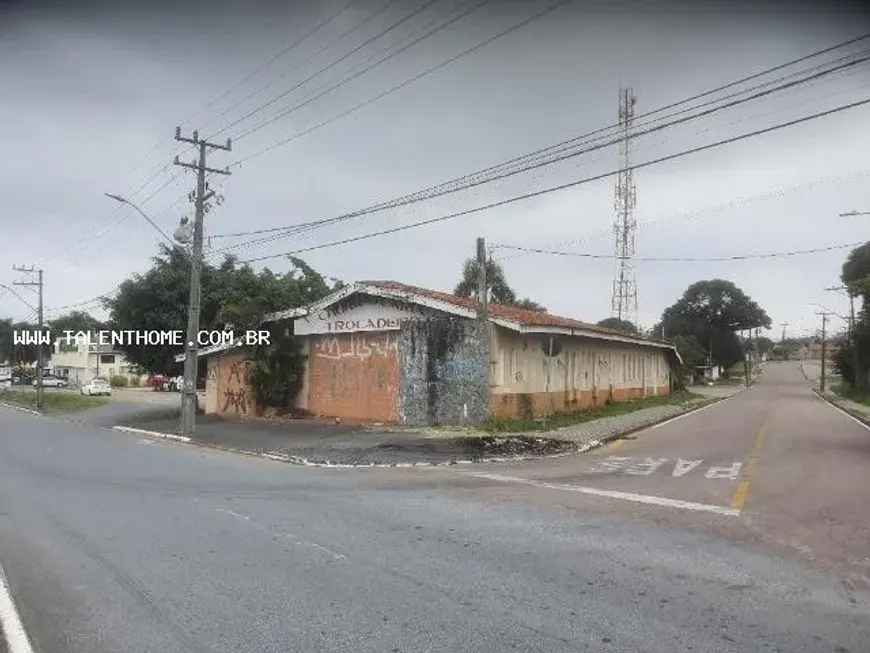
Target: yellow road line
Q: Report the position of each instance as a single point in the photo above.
(742, 491)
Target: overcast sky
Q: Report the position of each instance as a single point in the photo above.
(91, 99)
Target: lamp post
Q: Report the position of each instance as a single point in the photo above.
(123, 200)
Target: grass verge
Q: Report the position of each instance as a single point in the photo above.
(53, 401)
(846, 391)
(559, 420)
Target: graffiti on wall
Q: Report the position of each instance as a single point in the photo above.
(357, 366)
(235, 388)
(357, 346)
(455, 370)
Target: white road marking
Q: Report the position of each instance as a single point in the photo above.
(612, 494)
(612, 464)
(290, 536)
(17, 640)
(731, 473)
(646, 467)
(687, 414)
(840, 410)
(683, 467)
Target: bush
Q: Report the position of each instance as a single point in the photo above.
(135, 381)
(118, 381)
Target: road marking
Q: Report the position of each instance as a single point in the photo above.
(742, 491)
(732, 473)
(683, 467)
(648, 466)
(612, 494)
(840, 410)
(17, 640)
(289, 536)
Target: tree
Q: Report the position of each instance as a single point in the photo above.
(693, 354)
(529, 305)
(496, 283)
(618, 325)
(76, 321)
(500, 291)
(712, 311)
(231, 295)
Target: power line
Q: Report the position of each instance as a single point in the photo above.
(281, 232)
(572, 184)
(736, 257)
(361, 72)
(403, 84)
(283, 52)
(310, 57)
(383, 32)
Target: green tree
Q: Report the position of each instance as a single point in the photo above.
(530, 305)
(712, 311)
(76, 321)
(693, 354)
(854, 360)
(500, 291)
(619, 325)
(232, 294)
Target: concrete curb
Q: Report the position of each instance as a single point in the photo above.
(851, 413)
(327, 464)
(153, 434)
(23, 410)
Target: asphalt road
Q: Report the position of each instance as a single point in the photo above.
(114, 543)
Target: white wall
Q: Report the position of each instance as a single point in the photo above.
(369, 316)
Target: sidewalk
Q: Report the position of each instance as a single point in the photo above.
(322, 442)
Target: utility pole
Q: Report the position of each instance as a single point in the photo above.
(746, 364)
(200, 198)
(39, 353)
(853, 345)
(624, 299)
(483, 321)
(783, 325)
(824, 315)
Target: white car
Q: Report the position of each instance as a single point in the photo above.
(97, 387)
(49, 381)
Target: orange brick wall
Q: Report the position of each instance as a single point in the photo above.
(355, 376)
(233, 395)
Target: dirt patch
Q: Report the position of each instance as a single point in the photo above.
(477, 448)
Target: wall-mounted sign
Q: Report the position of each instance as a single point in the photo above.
(362, 317)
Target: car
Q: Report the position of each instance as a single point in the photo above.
(49, 381)
(96, 388)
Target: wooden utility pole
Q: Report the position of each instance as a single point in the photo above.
(201, 197)
(483, 322)
(824, 315)
(39, 353)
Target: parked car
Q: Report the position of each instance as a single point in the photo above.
(96, 388)
(50, 381)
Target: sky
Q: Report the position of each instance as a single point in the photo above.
(92, 93)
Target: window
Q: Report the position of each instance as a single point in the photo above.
(625, 367)
(107, 359)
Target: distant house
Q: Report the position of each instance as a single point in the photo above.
(80, 362)
(388, 352)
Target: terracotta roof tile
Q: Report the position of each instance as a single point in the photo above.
(520, 316)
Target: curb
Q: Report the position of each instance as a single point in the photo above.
(153, 434)
(19, 408)
(851, 413)
(327, 464)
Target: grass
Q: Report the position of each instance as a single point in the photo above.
(558, 420)
(853, 394)
(53, 401)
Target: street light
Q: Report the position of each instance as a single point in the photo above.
(124, 200)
